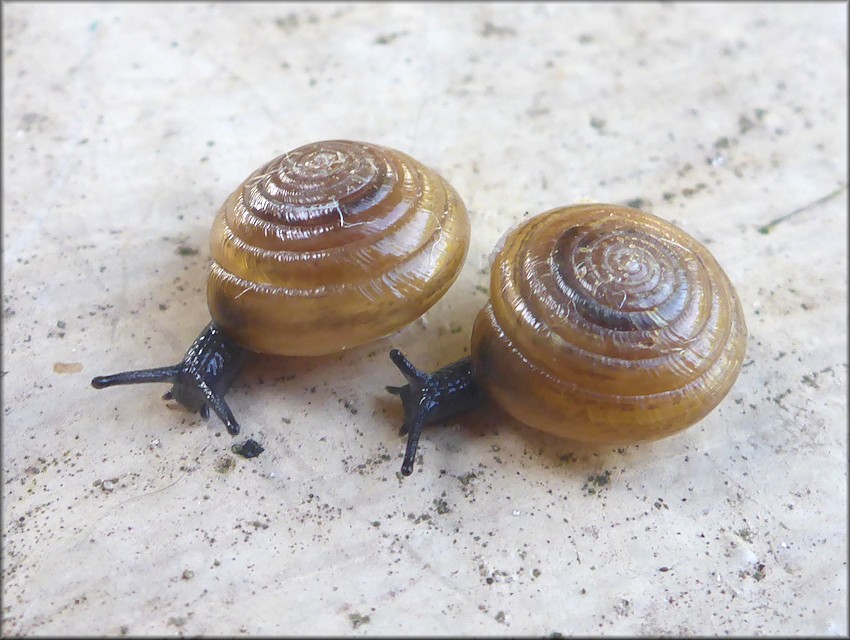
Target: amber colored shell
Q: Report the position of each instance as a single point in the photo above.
(607, 325)
(332, 245)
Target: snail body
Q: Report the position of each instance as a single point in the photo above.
(605, 325)
(324, 248)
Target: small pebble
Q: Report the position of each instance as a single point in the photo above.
(248, 449)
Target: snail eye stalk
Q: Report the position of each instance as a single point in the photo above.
(431, 398)
(200, 381)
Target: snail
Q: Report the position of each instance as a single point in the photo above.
(324, 248)
(605, 325)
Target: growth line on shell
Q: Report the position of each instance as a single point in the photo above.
(581, 271)
(673, 242)
(436, 242)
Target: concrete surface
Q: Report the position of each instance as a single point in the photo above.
(126, 125)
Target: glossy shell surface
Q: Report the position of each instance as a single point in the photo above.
(332, 245)
(608, 325)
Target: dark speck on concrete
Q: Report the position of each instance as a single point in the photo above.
(745, 124)
(638, 203)
(225, 464)
(389, 37)
(357, 619)
(596, 483)
(490, 29)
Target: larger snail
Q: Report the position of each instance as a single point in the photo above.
(605, 325)
(326, 247)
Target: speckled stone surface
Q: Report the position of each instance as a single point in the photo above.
(124, 128)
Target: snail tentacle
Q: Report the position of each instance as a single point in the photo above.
(200, 381)
(219, 406)
(431, 399)
(159, 374)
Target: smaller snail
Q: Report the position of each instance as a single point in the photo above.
(324, 248)
(605, 325)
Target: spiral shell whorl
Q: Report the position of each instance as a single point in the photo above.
(622, 327)
(332, 245)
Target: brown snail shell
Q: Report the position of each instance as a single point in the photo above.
(332, 245)
(607, 325)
